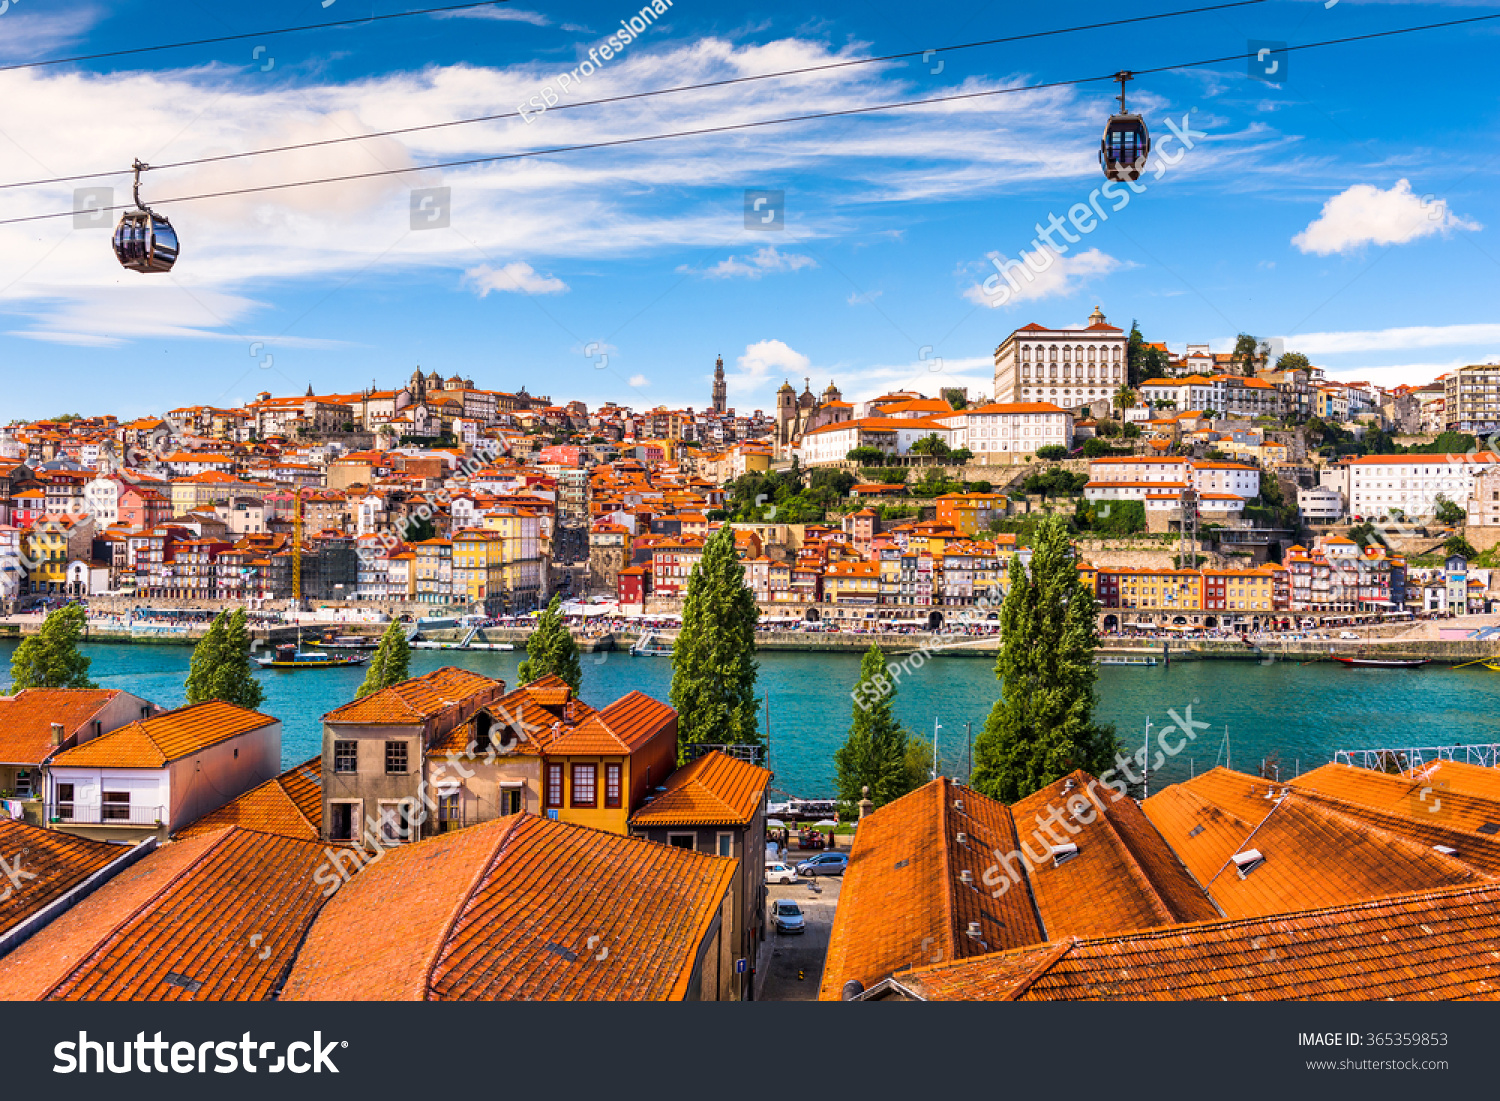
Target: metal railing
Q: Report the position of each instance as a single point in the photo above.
(1485, 754)
(754, 754)
(105, 814)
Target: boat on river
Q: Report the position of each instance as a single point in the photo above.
(289, 658)
(1382, 663)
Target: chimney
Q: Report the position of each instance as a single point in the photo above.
(57, 734)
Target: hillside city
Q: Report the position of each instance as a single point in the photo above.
(1201, 499)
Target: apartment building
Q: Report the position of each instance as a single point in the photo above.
(1409, 485)
(1471, 399)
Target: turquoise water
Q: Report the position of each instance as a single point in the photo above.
(1302, 713)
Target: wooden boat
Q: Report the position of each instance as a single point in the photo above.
(1382, 663)
(289, 658)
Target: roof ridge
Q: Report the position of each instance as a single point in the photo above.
(950, 911)
(1135, 864)
(435, 954)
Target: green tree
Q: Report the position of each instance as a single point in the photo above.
(874, 755)
(391, 663)
(1457, 544)
(1042, 726)
(713, 662)
(934, 446)
(1246, 353)
(50, 658)
(1142, 360)
(1053, 452)
(871, 456)
(220, 668)
(1292, 361)
(551, 648)
(1124, 399)
(1448, 512)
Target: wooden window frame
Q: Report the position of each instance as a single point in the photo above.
(576, 770)
(553, 795)
(613, 785)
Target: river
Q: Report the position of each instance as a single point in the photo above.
(1303, 713)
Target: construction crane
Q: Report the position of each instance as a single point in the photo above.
(297, 546)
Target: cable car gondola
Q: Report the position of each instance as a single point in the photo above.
(145, 240)
(1126, 143)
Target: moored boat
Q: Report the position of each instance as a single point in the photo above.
(288, 657)
(1382, 663)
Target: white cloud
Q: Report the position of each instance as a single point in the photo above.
(857, 299)
(1395, 340)
(767, 357)
(517, 276)
(1036, 275)
(761, 262)
(510, 15)
(639, 380)
(1366, 215)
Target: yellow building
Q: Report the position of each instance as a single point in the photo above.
(479, 568)
(522, 579)
(597, 772)
(852, 583)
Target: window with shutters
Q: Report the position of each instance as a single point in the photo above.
(611, 785)
(584, 779)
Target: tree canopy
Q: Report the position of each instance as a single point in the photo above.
(391, 663)
(713, 661)
(220, 666)
(875, 753)
(51, 658)
(1042, 726)
(551, 648)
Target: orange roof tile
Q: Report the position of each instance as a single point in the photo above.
(26, 719)
(1437, 945)
(151, 743)
(289, 805)
(417, 699)
(714, 790)
(177, 926)
(57, 862)
(509, 910)
(622, 727)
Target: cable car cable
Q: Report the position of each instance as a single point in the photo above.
(730, 127)
(643, 95)
(241, 37)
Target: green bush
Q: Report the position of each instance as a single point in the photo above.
(1053, 452)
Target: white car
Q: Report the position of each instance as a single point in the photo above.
(787, 916)
(781, 873)
(1348, 636)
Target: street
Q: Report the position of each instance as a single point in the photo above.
(800, 954)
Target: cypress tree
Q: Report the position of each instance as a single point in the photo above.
(713, 661)
(875, 753)
(207, 656)
(551, 649)
(50, 658)
(391, 662)
(1042, 727)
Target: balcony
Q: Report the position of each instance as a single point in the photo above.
(107, 814)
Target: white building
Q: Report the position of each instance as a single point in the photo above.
(1320, 505)
(1411, 484)
(1066, 367)
(995, 431)
(1133, 478)
(156, 775)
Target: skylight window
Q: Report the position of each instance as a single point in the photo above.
(1248, 861)
(1061, 854)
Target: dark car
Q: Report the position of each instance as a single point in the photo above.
(827, 864)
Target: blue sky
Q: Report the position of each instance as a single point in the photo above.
(1344, 210)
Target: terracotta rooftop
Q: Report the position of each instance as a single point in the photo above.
(170, 736)
(416, 699)
(535, 708)
(1314, 853)
(519, 908)
(714, 790)
(26, 719)
(58, 861)
(289, 805)
(622, 727)
(178, 926)
(1437, 945)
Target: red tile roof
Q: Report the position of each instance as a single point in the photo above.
(519, 908)
(26, 719)
(1437, 946)
(151, 743)
(714, 790)
(57, 862)
(415, 700)
(289, 805)
(215, 918)
(622, 727)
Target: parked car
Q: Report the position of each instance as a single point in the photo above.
(1348, 636)
(827, 864)
(781, 873)
(787, 916)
